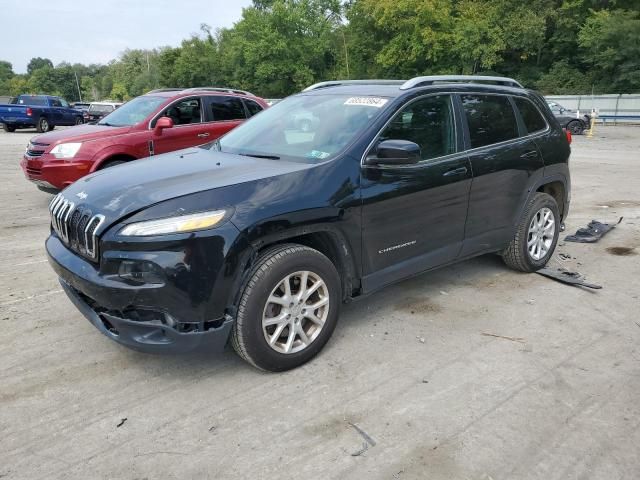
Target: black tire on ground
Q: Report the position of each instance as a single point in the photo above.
(51, 127)
(111, 163)
(79, 121)
(576, 127)
(517, 254)
(8, 128)
(42, 125)
(248, 338)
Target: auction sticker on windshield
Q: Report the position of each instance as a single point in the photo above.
(367, 101)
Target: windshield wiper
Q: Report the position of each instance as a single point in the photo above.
(255, 155)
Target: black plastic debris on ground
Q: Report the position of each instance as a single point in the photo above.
(592, 233)
(568, 277)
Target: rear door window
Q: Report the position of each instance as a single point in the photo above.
(490, 118)
(226, 108)
(531, 116)
(253, 107)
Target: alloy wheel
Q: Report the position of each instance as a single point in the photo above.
(295, 312)
(541, 233)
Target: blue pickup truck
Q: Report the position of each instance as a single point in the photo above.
(41, 111)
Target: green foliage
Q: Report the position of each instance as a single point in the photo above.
(38, 63)
(278, 47)
(611, 44)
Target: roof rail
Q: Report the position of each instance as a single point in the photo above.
(337, 83)
(160, 90)
(430, 80)
(219, 89)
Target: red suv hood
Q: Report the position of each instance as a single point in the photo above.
(81, 133)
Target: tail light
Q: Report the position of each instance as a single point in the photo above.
(568, 134)
(29, 112)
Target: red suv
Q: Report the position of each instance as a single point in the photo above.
(159, 122)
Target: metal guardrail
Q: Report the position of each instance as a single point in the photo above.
(616, 108)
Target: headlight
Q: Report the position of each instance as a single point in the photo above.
(66, 150)
(183, 223)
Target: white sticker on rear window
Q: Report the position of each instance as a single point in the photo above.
(367, 101)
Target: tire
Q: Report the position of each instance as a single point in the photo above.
(111, 163)
(8, 128)
(576, 127)
(51, 127)
(521, 256)
(280, 264)
(43, 125)
(79, 121)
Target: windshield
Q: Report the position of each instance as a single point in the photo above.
(304, 128)
(101, 108)
(132, 112)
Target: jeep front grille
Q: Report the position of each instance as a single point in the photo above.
(76, 226)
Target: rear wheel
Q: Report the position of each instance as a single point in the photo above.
(576, 127)
(536, 236)
(8, 128)
(288, 309)
(43, 125)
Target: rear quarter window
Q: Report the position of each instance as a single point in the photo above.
(253, 107)
(491, 119)
(531, 116)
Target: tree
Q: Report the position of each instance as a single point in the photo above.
(38, 63)
(282, 46)
(6, 73)
(611, 45)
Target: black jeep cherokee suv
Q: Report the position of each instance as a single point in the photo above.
(260, 236)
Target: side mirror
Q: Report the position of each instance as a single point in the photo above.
(161, 124)
(395, 152)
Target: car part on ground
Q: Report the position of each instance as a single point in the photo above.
(593, 232)
(568, 277)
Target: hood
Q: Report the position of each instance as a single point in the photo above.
(124, 189)
(81, 133)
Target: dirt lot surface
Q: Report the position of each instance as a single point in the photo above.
(469, 372)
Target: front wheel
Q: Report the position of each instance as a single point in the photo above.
(79, 121)
(536, 236)
(288, 309)
(8, 128)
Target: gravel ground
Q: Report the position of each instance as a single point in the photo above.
(413, 384)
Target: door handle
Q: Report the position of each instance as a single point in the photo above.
(203, 135)
(455, 171)
(529, 154)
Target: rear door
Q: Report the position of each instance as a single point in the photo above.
(56, 115)
(504, 159)
(188, 130)
(223, 113)
(68, 114)
(413, 216)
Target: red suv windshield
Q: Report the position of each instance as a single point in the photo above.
(132, 112)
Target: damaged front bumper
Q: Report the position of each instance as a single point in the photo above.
(149, 318)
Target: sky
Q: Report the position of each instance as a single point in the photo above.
(96, 31)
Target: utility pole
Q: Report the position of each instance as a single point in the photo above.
(78, 85)
(346, 53)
